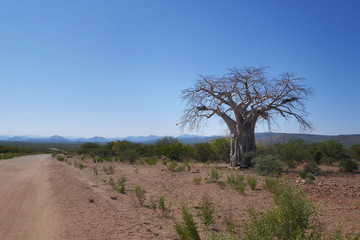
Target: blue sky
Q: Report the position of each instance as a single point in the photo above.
(116, 68)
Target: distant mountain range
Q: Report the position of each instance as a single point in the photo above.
(261, 138)
(186, 138)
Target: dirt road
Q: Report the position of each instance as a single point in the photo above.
(26, 198)
(41, 198)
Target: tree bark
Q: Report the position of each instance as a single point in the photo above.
(242, 142)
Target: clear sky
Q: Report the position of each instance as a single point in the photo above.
(116, 68)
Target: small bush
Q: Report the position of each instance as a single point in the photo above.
(267, 164)
(222, 184)
(186, 165)
(180, 168)
(153, 203)
(214, 175)
(61, 159)
(165, 210)
(292, 217)
(349, 165)
(234, 179)
(302, 175)
(81, 166)
(197, 180)
(312, 167)
(270, 183)
(252, 182)
(140, 194)
(111, 169)
(237, 182)
(187, 230)
(131, 156)
(241, 187)
(172, 166)
(149, 161)
(164, 162)
(207, 210)
(112, 183)
(308, 176)
(121, 185)
(95, 170)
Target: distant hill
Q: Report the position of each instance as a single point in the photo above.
(261, 138)
(270, 138)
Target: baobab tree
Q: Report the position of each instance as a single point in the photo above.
(241, 98)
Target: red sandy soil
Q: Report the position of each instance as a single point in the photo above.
(42, 198)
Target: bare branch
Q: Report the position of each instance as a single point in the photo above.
(245, 95)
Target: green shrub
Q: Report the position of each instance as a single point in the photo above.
(171, 148)
(214, 175)
(112, 183)
(140, 194)
(252, 182)
(302, 175)
(270, 183)
(203, 151)
(292, 217)
(308, 176)
(221, 149)
(349, 165)
(312, 167)
(165, 210)
(81, 166)
(221, 184)
(60, 158)
(187, 230)
(237, 182)
(197, 180)
(267, 164)
(235, 179)
(153, 203)
(131, 155)
(186, 165)
(111, 169)
(180, 168)
(240, 187)
(172, 166)
(95, 170)
(121, 185)
(164, 162)
(150, 161)
(207, 210)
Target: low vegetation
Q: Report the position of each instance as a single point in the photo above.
(291, 216)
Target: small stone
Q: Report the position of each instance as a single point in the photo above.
(91, 200)
(113, 197)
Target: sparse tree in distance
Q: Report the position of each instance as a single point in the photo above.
(240, 98)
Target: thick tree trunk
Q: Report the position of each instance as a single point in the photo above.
(242, 142)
